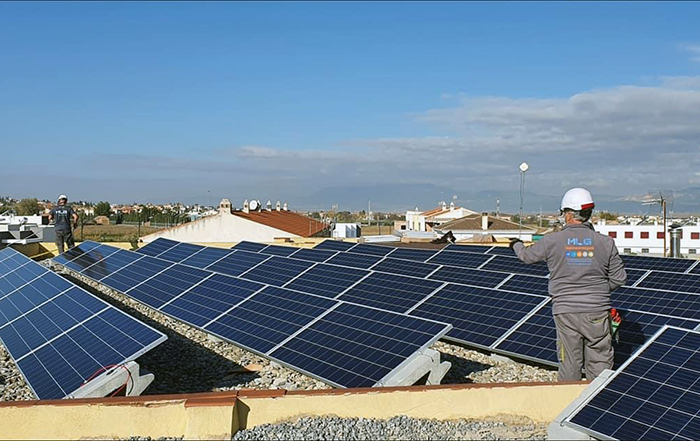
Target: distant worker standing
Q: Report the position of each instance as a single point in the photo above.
(584, 267)
(64, 218)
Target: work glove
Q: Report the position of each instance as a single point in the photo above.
(615, 320)
(513, 241)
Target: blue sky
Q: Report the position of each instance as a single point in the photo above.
(164, 101)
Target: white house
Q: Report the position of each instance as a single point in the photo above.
(253, 223)
(649, 239)
(428, 220)
(477, 226)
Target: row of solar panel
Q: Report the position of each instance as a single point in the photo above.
(510, 322)
(345, 344)
(59, 334)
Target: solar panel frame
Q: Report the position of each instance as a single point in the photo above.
(334, 245)
(277, 271)
(469, 276)
(659, 280)
(405, 267)
(237, 262)
(313, 255)
(476, 249)
(373, 250)
(180, 252)
(462, 259)
(327, 280)
(249, 246)
(279, 250)
(657, 263)
(390, 291)
(206, 257)
(676, 304)
(362, 261)
(515, 265)
(414, 254)
(158, 246)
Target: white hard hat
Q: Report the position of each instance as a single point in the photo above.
(63, 196)
(577, 199)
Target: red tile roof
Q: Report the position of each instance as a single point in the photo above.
(288, 221)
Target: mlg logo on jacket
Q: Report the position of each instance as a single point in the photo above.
(578, 243)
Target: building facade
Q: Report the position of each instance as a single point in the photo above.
(649, 239)
(417, 220)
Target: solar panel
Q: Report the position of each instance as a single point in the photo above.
(515, 265)
(236, 263)
(671, 282)
(278, 250)
(657, 263)
(363, 261)
(135, 273)
(89, 258)
(110, 264)
(269, 317)
(405, 267)
(327, 280)
(74, 252)
(165, 286)
(696, 269)
(313, 255)
(11, 263)
(249, 246)
(456, 258)
(415, 254)
(206, 257)
(633, 275)
(156, 247)
(659, 302)
(6, 252)
(59, 335)
(355, 346)
(180, 252)
(479, 249)
(390, 292)
(277, 271)
(469, 276)
(23, 274)
(479, 316)
(374, 250)
(656, 395)
(502, 251)
(527, 284)
(334, 245)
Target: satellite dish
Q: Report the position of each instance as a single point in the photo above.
(253, 204)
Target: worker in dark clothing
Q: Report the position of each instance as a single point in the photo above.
(584, 267)
(63, 218)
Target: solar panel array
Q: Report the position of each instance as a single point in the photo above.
(59, 334)
(654, 395)
(310, 330)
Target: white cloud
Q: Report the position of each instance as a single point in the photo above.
(694, 50)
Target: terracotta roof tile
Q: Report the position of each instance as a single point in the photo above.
(473, 222)
(288, 221)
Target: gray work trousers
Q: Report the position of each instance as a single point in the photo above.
(64, 236)
(583, 340)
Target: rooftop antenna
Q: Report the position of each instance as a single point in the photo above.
(661, 200)
(523, 168)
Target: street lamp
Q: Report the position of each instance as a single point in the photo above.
(523, 168)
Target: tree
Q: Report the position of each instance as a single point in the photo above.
(27, 207)
(103, 209)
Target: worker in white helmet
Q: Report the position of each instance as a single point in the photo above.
(64, 217)
(584, 267)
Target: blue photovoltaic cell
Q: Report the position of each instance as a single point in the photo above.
(206, 257)
(633, 275)
(405, 267)
(354, 346)
(535, 338)
(313, 255)
(478, 315)
(655, 396)
(91, 257)
(327, 280)
(456, 258)
(167, 285)
(249, 246)
(277, 271)
(671, 282)
(11, 263)
(334, 245)
(503, 251)
(374, 250)
(133, 274)
(156, 247)
(74, 252)
(390, 292)
(478, 249)
(26, 271)
(180, 252)
(469, 276)
(696, 269)
(415, 254)
(270, 316)
(30, 295)
(659, 302)
(527, 284)
(514, 265)
(657, 263)
(111, 264)
(363, 261)
(206, 301)
(6, 252)
(237, 263)
(278, 250)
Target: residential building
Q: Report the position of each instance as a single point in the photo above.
(428, 220)
(482, 227)
(646, 238)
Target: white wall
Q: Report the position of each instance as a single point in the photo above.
(525, 236)
(654, 246)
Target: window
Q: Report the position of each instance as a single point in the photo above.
(627, 250)
(403, 227)
(612, 234)
(695, 235)
(644, 235)
(645, 250)
(660, 235)
(692, 251)
(629, 235)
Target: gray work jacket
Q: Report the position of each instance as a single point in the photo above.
(584, 266)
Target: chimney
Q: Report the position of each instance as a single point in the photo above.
(269, 205)
(484, 221)
(286, 207)
(225, 206)
(246, 207)
(277, 206)
(444, 205)
(452, 206)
